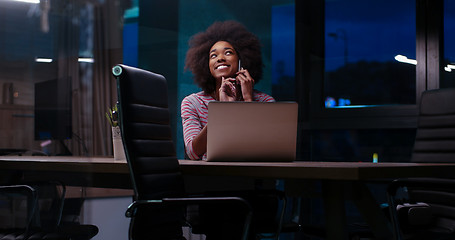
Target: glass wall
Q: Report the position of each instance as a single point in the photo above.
(56, 83)
(356, 55)
(62, 54)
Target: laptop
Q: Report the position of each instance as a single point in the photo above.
(252, 131)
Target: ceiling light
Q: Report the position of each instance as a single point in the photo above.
(28, 1)
(43, 60)
(87, 60)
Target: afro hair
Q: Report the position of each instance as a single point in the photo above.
(245, 43)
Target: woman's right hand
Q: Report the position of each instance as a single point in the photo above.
(228, 90)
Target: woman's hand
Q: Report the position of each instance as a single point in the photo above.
(238, 88)
(229, 91)
(246, 83)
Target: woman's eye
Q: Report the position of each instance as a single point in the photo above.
(228, 53)
(212, 56)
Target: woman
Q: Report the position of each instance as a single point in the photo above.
(226, 62)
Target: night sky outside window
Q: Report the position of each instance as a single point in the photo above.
(370, 53)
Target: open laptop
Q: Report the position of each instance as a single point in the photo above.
(252, 131)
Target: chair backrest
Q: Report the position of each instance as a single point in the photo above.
(146, 133)
(435, 138)
(18, 208)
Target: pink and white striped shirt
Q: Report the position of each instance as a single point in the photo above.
(194, 116)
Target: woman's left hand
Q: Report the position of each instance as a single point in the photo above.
(246, 83)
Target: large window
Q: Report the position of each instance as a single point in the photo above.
(359, 79)
(448, 64)
(369, 53)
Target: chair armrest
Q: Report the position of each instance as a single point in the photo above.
(419, 182)
(414, 208)
(18, 189)
(131, 210)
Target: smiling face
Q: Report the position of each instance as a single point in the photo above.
(223, 60)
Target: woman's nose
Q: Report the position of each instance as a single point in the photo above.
(221, 58)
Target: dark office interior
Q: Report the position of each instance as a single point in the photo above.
(349, 65)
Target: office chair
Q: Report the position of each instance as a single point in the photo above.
(423, 208)
(20, 215)
(49, 210)
(159, 201)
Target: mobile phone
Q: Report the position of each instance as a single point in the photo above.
(240, 66)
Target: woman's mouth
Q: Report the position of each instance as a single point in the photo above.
(221, 67)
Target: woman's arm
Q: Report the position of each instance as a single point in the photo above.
(194, 134)
(199, 142)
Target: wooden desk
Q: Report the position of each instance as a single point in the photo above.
(339, 179)
(73, 171)
(354, 171)
(105, 172)
(104, 166)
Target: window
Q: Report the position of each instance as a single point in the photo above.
(359, 63)
(369, 53)
(448, 65)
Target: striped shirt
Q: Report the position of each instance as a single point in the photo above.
(194, 116)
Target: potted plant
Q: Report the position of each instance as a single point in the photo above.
(117, 144)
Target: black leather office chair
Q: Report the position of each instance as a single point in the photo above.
(158, 209)
(424, 208)
(45, 200)
(435, 137)
(20, 215)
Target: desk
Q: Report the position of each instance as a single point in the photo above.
(73, 171)
(105, 172)
(338, 179)
(354, 171)
(105, 166)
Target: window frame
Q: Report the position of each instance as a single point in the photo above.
(310, 19)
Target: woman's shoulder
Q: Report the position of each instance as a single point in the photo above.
(262, 97)
(197, 98)
(194, 96)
